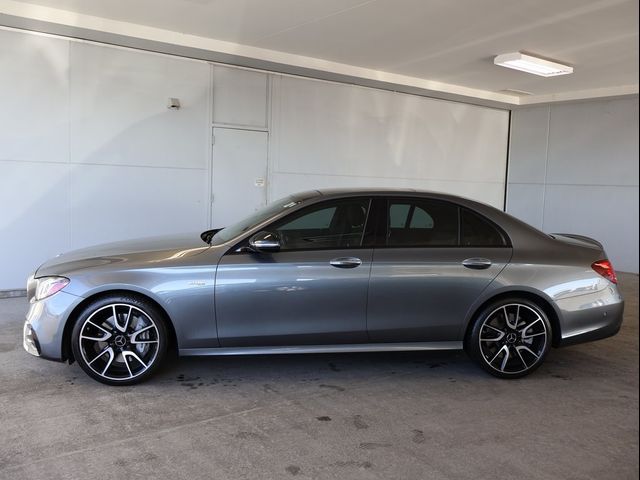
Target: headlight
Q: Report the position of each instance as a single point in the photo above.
(47, 286)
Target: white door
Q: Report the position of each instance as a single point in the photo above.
(239, 174)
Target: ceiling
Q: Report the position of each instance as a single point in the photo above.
(441, 41)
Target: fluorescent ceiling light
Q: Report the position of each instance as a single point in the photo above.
(529, 64)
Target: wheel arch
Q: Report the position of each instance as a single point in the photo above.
(536, 297)
(67, 353)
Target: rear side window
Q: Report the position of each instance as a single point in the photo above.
(398, 215)
(478, 232)
(421, 222)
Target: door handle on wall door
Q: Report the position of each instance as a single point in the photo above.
(346, 262)
(477, 263)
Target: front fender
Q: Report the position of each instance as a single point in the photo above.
(186, 294)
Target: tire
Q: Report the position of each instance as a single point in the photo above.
(510, 338)
(126, 352)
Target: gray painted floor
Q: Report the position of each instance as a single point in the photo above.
(403, 415)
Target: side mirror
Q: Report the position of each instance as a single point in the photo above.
(265, 242)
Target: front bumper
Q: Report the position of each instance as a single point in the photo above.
(30, 340)
(43, 330)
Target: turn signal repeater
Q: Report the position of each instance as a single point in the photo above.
(605, 268)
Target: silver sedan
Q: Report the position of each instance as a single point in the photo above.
(328, 271)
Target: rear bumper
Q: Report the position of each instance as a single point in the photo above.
(608, 324)
(595, 316)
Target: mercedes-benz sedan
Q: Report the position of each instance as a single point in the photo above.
(328, 271)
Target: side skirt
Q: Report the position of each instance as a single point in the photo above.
(357, 347)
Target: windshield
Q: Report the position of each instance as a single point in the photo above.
(252, 221)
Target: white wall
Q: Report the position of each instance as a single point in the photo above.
(573, 168)
(335, 135)
(89, 152)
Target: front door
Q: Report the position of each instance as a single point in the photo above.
(436, 260)
(312, 292)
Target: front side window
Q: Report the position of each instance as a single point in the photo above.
(246, 224)
(329, 225)
(422, 222)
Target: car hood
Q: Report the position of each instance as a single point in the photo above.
(151, 250)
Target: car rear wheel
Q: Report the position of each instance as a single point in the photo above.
(510, 338)
(119, 340)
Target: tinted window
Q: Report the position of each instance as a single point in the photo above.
(420, 219)
(320, 219)
(478, 232)
(337, 224)
(251, 221)
(422, 223)
(398, 215)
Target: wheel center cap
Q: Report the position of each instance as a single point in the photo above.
(120, 341)
(512, 337)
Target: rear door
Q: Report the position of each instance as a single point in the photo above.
(434, 260)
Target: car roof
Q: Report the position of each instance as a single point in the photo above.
(336, 192)
(389, 192)
(328, 193)
(367, 191)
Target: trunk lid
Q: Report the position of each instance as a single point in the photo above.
(579, 240)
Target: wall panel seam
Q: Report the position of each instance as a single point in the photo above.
(546, 167)
(560, 184)
(102, 164)
(507, 160)
(210, 139)
(69, 149)
(388, 177)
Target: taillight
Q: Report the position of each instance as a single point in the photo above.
(604, 268)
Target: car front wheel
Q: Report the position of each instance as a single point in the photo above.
(119, 340)
(510, 338)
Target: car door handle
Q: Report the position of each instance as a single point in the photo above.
(477, 263)
(346, 262)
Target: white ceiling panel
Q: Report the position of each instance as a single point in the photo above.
(452, 42)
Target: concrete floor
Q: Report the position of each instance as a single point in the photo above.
(403, 415)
